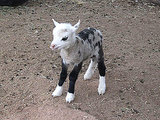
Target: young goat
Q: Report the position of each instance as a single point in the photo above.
(75, 48)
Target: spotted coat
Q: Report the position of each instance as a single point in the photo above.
(75, 48)
(88, 43)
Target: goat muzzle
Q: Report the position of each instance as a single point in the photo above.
(52, 46)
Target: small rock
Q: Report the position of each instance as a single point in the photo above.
(141, 80)
(123, 109)
(113, 0)
(135, 111)
(36, 31)
(121, 91)
(12, 79)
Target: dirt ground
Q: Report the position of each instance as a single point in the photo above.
(29, 69)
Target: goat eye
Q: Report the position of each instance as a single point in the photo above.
(65, 38)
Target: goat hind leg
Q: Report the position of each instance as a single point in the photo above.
(102, 70)
(90, 70)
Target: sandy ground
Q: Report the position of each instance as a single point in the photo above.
(29, 70)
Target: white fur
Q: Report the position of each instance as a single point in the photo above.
(58, 91)
(90, 70)
(102, 85)
(70, 97)
(63, 30)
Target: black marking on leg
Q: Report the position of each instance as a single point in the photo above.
(101, 54)
(73, 77)
(63, 74)
(101, 65)
(101, 68)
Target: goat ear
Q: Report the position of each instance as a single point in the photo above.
(76, 26)
(55, 23)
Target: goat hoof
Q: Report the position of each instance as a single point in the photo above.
(102, 85)
(70, 97)
(58, 91)
(101, 89)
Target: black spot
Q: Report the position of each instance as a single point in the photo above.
(85, 34)
(77, 41)
(92, 29)
(90, 41)
(93, 57)
(79, 53)
(99, 35)
(91, 32)
(97, 44)
(82, 42)
(93, 37)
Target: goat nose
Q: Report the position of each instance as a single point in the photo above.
(52, 46)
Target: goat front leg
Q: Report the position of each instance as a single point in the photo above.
(59, 89)
(73, 77)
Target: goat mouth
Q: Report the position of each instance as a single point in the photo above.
(55, 48)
